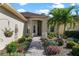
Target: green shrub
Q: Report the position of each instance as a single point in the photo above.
(70, 39)
(52, 43)
(64, 36)
(74, 34)
(73, 39)
(45, 44)
(22, 39)
(27, 36)
(70, 44)
(11, 48)
(75, 50)
(43, 39)
(23, 46)
(76, 40)
(60, 41)
(51, 35)
(24, 43)
(29, 39)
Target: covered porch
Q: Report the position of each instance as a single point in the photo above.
(36, 24)
(37, 27)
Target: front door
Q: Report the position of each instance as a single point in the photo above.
(37, 28)
(34, 28)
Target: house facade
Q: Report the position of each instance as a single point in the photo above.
(36, 24)
(20, 24)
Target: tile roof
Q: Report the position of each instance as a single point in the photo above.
(30, 14)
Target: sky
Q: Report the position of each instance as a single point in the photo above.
(39, 7)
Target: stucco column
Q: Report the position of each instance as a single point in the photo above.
(44, 28)
(30, 26)
(25, 28)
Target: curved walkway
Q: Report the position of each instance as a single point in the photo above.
(36, 48)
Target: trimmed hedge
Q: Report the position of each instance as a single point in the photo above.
(74, 34)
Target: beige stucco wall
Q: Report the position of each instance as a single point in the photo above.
(76, 28)
(44, 28)
(5, 16)
(61, 28)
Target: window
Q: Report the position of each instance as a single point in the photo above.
(16, 28)
(34, 29)
(16, 31)
(27, 30)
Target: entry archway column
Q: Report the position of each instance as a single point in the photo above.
(44, 28)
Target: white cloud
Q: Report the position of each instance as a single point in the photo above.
(22, 4)
(73, 4)
(50, 16)
(40, 1)
(73, 13)
(45, 11)
(21, 10)
(58, 5)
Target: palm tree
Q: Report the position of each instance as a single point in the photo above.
(61, 16)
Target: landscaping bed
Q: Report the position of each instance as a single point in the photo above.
(60, 47)
(17, 48)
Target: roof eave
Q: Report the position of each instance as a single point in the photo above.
(13, 11)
